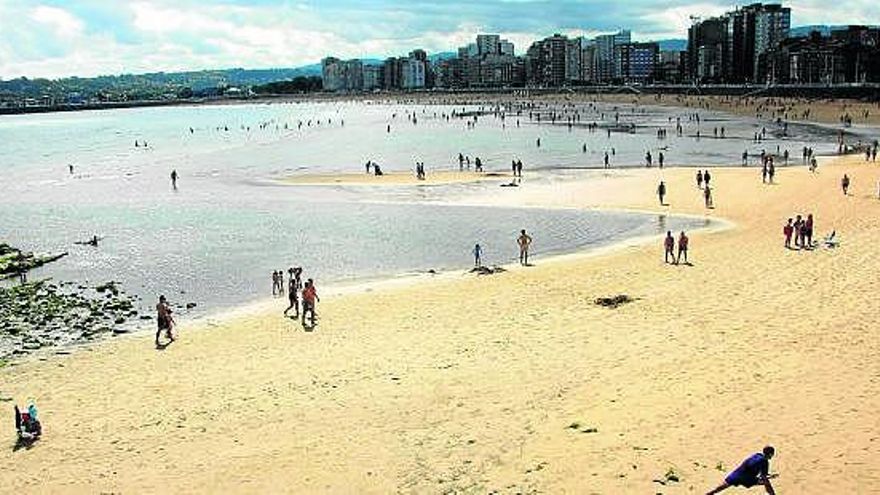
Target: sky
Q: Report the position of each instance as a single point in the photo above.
(56, 38)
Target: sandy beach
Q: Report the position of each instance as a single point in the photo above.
(391, 178)
(515, 382)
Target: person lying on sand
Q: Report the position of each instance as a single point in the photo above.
(752, 472)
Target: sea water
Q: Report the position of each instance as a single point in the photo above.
(216, 239)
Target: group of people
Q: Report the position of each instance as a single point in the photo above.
(768, 170)
(373, 167)
(295, 288)
(801, 230)
(669, 248)
(420, 170)
(516, 167)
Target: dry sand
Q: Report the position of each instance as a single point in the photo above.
(392, 178)
(470, 384)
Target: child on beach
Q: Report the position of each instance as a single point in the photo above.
(787, 231)
(752, 472)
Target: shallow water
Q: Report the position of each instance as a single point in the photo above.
(216, 240)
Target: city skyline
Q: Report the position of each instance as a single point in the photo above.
(96, 37)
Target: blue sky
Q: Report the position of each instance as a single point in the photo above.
(53, 38)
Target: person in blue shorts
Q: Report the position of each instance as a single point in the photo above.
(753, 471)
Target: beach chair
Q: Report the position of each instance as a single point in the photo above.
(831, 241)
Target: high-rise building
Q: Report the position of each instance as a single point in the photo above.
(372, 77)
(342, 75)
(588, 61)
(506, 48)
(709, 50)
(488, 44)
(545, 61)
(605, 69)
(636, 62)
(738, 46)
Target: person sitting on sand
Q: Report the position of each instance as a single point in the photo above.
(669, 247)
(164, 320)
(753, 471)
(524, 241)
(682, 248)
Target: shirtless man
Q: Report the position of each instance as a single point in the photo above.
(524, 242)
(163, 319)
(682, 248)
(309, 298)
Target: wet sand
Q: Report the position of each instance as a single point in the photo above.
(392, 178)
(515, 382)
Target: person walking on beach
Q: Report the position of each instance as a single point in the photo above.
(669, 248)
(174, 179)
(706, 177)
(164, 321)
(787, 231)
(764, 173)
(310, 298)
(707, 196)
(660, 158)
(275, 278)
(699, 179)
(661, 192)
(682, 248)
(292, 298)
(478, 256)
(771, 171)
(524, 241)
(844, 184)
(606, 159)
(753, 471)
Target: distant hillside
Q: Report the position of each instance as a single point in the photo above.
(824, 30)
(146, 86)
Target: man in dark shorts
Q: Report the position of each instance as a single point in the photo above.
(164, 321)
(753, 471)
(292, 296)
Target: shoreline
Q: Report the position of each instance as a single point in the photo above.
(359, 286)
(516, 381)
